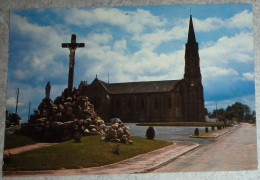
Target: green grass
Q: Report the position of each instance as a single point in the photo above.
(205, 134)
(13, 140)
(89, 153)
(209, 124)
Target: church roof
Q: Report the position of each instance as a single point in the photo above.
(141, 87)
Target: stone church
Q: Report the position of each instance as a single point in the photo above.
(153, 101)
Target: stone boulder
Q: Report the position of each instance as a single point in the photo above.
(118, 132)
(61, 119)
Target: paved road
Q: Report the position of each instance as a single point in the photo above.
(233, 151)
(170, 133)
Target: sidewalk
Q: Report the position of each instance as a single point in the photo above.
(21, 149)
(138, 164)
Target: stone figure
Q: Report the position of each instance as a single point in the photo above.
(47, 90)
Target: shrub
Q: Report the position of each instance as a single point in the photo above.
(196, 132)
(77, 138)
(116, 150)
(213, 128)
(7, 158)
(150, 133)
(206, 129)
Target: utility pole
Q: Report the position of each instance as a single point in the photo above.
(17, 97)
(216, 110)
(29, 111)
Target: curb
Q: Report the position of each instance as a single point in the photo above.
(168, 160)
(231, 129)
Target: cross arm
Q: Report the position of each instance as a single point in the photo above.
(72, 45)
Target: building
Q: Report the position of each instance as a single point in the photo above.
(153, 101)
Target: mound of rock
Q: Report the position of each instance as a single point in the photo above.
(118, 132)
(61, 119)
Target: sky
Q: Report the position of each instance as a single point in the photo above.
(137, 43)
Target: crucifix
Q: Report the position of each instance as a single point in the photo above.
(72, 46)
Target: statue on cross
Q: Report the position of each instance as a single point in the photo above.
(72, 46)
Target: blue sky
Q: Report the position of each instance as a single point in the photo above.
(144, 43)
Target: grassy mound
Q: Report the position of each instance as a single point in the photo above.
(89, 153)
(13, 140)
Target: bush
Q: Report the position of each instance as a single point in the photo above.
(117, 149)
(7, 158)
(150, 133)
(213, 128)
(196, 132)
(206, 129)
(77, 138)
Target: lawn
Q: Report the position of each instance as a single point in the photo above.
(208, 133)
(13, 140)
(89, 153)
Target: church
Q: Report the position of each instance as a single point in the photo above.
(153, 101)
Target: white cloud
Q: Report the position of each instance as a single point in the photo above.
(227, 50)
(154, 39)
(21, 74)
(43, 44)
(208, 24)
(99, 39)
(11, 102)
(132, 21)
(248, 76)
(241, 20)
(120, 45)
(213, 72)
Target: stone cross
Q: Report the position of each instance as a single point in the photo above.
(72, 46)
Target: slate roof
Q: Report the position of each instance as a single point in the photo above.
(141, 87)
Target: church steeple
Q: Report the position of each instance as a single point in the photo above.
(191, 35)
(192, 60)
(192, 94)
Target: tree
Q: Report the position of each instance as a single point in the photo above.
(219, 113)
(13, 118)
(239, 111)
(206, 111)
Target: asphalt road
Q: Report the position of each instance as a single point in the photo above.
(233, 151)
(172, 133)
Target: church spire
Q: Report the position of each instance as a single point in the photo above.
(191, 35)
(192, 60)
